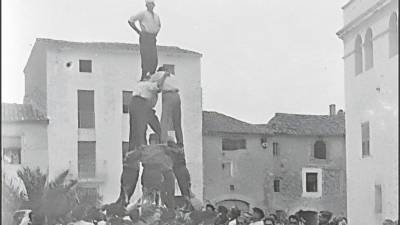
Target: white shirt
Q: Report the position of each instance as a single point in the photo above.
(147, 90)
(149, 22)
(257, 223)
(171, 84)
(233, 222)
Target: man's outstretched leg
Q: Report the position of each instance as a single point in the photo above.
(129, 177)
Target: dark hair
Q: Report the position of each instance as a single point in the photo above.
(294, 217)
(270, 219)
(211, 206)
(259, 211)
(222, 209)
(273, 216)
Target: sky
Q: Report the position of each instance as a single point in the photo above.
(260, 57)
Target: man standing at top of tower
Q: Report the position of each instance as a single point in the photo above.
(149, 27)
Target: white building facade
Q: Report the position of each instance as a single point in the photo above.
(370, 37)
(83, 90)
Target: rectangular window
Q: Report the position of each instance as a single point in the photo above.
(227, 169)
(378, 198)
(85, 66)
(125, 149)
(86, 159)
(11, 146)
(126, 98)
(276, 185)
(86, 115)
(233, 144)
(365, 139)
(311, 182)
(275, 149)
(231, 187)
(170, 68)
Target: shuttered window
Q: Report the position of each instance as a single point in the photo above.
(311, 182)
(86, 115)
(233, 144)
(11, 146)
(87, 159)
(365, 139)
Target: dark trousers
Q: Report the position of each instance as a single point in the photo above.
(140, 115)
(181, 172)
(153, 178)
(171, 116)
(168, 189)
(148, 53)
(129, 176)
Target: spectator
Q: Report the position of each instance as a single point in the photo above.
(210, 208)
(258, 216)
(324, 217)
(293, 220)
(247, 218)
(269, 221)
(222, 217)
(388, 222)
(233, 216)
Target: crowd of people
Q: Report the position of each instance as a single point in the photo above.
(142, 213)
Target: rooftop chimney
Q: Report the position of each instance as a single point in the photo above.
(332, 109)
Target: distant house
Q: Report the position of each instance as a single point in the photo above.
(308, 163)
(293, 162)
(235, 161)
(23, 138)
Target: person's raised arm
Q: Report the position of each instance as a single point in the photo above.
(132, 22)
(160, 82)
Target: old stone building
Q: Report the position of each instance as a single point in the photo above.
(23, 138)
(308, 163)
(371, 71)
(293, 162)
(235, 161)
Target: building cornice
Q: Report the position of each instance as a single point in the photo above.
(359, 19)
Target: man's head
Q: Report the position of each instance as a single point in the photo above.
(150, 4)
(324, 217)
(258, 213)
(388, 222)
(293, 220)
(222, 209)
(210, 208)
(269, 221)
(154, 139)
(234, 213)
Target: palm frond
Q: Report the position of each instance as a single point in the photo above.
(60, 179)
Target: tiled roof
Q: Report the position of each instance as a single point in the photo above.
(214, 122)
(12, 112)
(111, 46)
(295, 124)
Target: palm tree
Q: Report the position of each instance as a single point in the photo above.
(12, 199)
(50, 201)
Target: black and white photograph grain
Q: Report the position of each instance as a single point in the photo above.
(199, 112)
